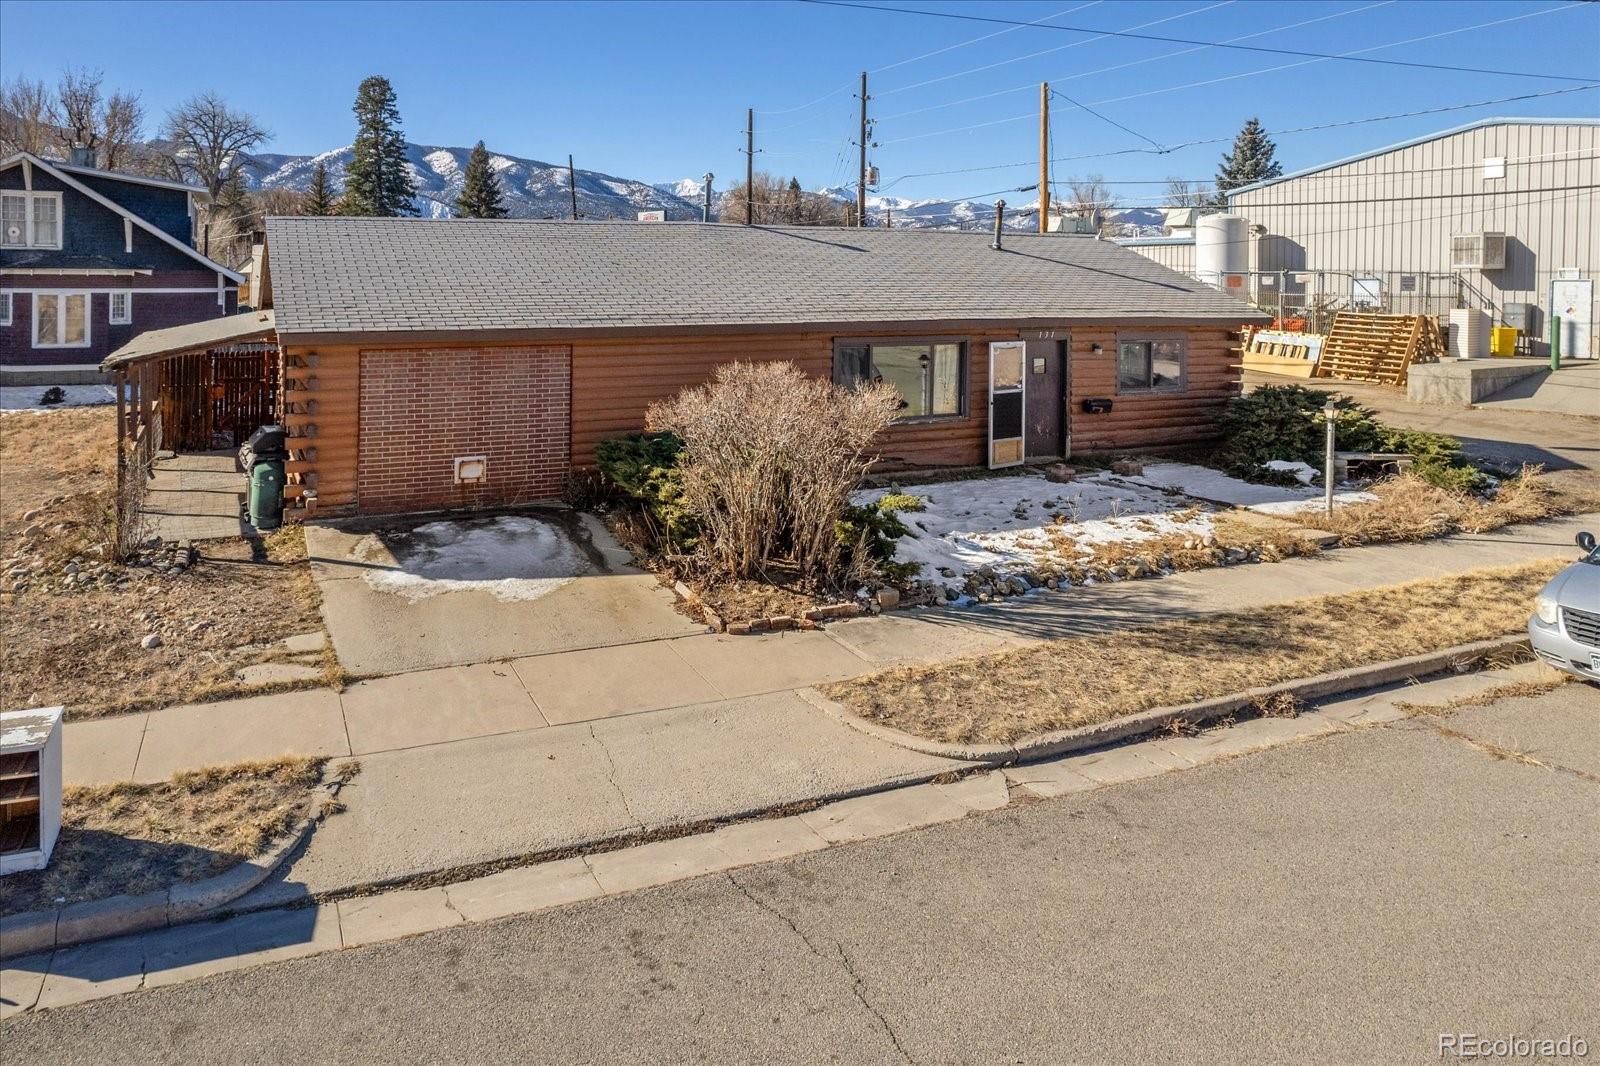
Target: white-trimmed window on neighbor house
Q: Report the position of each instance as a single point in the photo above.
(61, 320)
(1157, 364)
(5, 308)
(929, 375)
(30, 220)
(121, 307)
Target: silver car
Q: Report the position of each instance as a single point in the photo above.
(1565, 627)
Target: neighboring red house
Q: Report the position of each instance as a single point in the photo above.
(90, 258)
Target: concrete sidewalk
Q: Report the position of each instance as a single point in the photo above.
(472, 764)
(703, 672)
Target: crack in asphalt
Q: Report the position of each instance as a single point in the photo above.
(611, 776)
(1499, 751)
(857, 982)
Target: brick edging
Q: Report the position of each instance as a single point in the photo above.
(35, 931)
(1062, 741)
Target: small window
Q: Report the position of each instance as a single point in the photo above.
(928, 375)
(121, 308)
(61, 320)
(1152, 365)
(30, 220)
(5, 309)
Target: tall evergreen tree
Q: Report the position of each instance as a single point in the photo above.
(319, 198)
(1249, 161)
(480, 188)
(377, 180)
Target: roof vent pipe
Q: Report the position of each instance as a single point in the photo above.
(999, 220)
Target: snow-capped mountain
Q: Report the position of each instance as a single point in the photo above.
(972, 214)
(532, 189)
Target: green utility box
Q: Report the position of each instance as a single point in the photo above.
(266, 494)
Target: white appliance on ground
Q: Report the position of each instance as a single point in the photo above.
(30, 787)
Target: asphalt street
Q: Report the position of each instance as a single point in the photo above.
(1341, 900)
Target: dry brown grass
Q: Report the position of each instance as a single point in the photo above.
(82, 649)
(1083, 680)
(1410, 509)
(1549, 682)
(133, 838)
(45, 454)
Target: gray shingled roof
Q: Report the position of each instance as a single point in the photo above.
(370, 275)
(193, 336)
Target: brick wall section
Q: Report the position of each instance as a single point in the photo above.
(421, 408)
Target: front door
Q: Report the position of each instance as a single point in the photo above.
(1046, 373)
(1008, 383)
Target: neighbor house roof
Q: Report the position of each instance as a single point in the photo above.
(61, 173)
(1413, 142)
(507, 278)
(194, 336)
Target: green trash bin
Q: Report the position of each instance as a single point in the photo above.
(266, 494)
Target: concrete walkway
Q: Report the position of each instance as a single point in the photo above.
(472, 764)
(173, 956)
(1572, 390)
(195, 496)
(717, 674)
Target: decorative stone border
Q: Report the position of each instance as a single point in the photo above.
(809, 620)
(1091, 736)
(59, 927)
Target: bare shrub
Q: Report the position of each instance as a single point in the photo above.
(1408, 508)
(770, 458)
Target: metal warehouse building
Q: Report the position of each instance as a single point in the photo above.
(1501, 214)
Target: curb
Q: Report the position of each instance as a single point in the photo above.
(35, 931)
(1062, 741)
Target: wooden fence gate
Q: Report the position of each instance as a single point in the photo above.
(217, 398)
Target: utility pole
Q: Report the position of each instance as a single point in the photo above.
(572, 186)
(1044, 157)
(861, 176)
(749, 166)
(705, 208)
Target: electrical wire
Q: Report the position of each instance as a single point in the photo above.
(1103, 118)
(985, 37)
(1212, 44)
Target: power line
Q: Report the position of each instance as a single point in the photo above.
(1276, 133)
(1103, 118)
(985, 37)
(1210, 44)
(1140, 62)
(1048, 51)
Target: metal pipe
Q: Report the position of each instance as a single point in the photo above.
(1329, 410)
(1555, 342)
(999, 220)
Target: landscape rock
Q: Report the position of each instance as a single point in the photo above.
(1060, 473)
(888, 599)
(151, 641)
(1127, 468)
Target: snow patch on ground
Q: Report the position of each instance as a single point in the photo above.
(1028, 525)
(513, 557)
(26, 397)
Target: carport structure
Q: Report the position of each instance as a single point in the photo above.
(190, 388)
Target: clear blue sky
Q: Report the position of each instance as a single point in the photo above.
(658, 91)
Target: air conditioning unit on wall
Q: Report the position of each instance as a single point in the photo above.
(1478, 251)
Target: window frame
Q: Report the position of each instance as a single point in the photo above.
(963, 399)
(1182, 385)
(29, 238)
(126, 318)
(8, 307)
(62, 295)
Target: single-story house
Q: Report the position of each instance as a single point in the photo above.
(453, 363)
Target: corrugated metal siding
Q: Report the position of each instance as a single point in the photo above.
(1396, 212)
(1179, 257)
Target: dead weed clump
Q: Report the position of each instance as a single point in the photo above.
(1079, 681)
(133, 838)
(1410, 509)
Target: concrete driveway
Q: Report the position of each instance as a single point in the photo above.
(417, 592)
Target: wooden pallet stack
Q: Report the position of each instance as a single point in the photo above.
(1377, 348)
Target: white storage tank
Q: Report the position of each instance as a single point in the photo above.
(1222, 251)
(1469, 333)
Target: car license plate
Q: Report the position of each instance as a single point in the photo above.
(1594, 663)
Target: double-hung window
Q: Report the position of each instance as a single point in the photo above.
(121, 307)
(1154, 365)
(930, 376)
(30, 220)
(61, 320)
(5, 308)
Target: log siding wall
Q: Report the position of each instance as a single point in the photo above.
(613, 381)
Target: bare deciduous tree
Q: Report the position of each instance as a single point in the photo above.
(1181, 193)
(777, 202)
(25, 117)
(208, 137)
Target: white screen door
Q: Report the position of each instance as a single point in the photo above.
(1007, 381)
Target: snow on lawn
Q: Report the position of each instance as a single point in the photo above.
(26, 397)
(1027, 525)
(1213, 486)
(513, 557)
